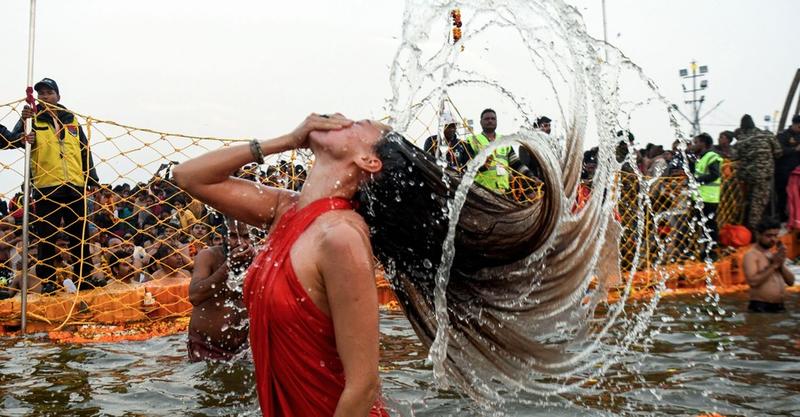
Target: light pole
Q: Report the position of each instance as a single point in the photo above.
(605, 29)
(697, 71)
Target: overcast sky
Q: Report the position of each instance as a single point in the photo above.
(254, 68)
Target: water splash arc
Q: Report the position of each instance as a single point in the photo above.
(577, 258)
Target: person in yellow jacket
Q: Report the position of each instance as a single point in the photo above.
(61, 170)
(707, 172)
(495, 174)
(185, 216)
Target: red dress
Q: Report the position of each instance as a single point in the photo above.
(793, 198)
(298, 370)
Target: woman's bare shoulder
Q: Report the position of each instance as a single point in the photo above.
(343, 221)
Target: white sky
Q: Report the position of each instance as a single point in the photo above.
(255, 69)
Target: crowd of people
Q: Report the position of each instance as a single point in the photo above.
(502, 167)
(132, 234)
(85, 233)
(764, 164)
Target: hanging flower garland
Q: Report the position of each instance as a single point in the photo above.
(456, 15)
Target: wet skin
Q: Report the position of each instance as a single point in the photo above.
(219, 317)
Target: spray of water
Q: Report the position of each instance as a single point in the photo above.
(596, 91)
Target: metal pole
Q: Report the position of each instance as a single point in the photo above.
(788, 105)
(605, 30)
(695, 123)
(27, 184)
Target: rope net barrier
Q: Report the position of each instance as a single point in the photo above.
(112, 258)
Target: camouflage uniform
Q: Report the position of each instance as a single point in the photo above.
(756, 151)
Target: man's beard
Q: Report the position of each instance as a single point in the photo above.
(765, 246)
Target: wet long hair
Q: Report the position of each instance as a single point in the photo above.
(406, 206)
(517, 272)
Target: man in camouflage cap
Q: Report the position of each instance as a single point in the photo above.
(756, 151)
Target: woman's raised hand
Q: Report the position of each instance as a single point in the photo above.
(314, 122)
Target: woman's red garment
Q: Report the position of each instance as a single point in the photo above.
(298, 370)
(793, 197)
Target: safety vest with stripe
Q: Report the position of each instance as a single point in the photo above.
(495, 178)
(56, 161)
(709, 192)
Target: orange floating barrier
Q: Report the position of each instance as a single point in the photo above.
(170, 298)
(122, 311)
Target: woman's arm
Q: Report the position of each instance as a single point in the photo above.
(353, 300)
(208, 177)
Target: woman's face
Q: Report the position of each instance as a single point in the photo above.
(350, 142)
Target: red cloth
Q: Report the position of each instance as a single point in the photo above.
(298, 370)
(793, 194)
(734, 235)
(16, 209)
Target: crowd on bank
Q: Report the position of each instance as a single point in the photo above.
(764, 164)
(81, 227)
(103, 233)
(767, 167)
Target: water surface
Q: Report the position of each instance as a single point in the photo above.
(683, 374)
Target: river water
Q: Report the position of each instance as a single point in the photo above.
(683, 373)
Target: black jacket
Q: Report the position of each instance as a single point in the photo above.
(6, 137)
(791, 157)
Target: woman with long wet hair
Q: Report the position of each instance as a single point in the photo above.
(525, 277)
(517, 302)
(310, 293)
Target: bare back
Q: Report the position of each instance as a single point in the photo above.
(219, 319)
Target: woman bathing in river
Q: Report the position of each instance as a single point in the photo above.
(310, 293)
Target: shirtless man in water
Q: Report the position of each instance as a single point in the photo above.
(218, 329)
(765, 271)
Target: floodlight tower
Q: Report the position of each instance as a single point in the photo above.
(697, 72)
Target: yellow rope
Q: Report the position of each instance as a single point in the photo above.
(125, 151)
